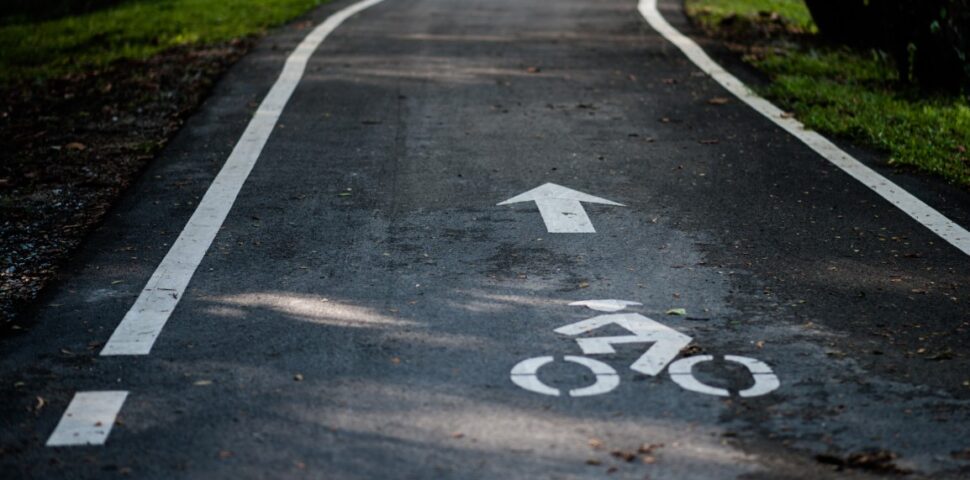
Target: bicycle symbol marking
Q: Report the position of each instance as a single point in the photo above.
(666, 345)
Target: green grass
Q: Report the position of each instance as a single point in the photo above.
(847, 94)
(711, 12)
(135, 29)
(858, 95)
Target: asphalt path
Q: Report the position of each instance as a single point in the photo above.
(365, 308)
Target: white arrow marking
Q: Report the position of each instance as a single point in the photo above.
(560, 207)
(667, 342)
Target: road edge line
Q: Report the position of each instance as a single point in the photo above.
(88, 419)
(138, 330)
(929, 217)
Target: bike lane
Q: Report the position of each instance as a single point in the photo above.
(362, 309)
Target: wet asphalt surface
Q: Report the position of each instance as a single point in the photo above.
(360, 311)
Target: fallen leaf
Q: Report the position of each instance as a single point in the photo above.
(682, 312)
(719, 100)
(961, 454)
(593, 461)
(224, 454)
(877, 460)
(583, 284)
(595, 443)
(624, 455)
(457, 435)
(40, 404)
(691, 350)
(76, 146)
(298, 377)
(648, 448)
(202, 383)
(533, 70)
(944, 355)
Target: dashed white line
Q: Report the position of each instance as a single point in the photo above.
(912, 206)
(144, 321)
(88, 419)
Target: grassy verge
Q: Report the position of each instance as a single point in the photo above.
(134, 29)
(713, 12)
(856, 95)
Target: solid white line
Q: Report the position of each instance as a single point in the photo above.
(912, 206)
(88, 419)
(144, 321)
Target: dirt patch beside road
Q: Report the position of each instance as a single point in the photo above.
(70, 146)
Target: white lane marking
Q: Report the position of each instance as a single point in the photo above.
(667, 342)
(609, 305)
(912, 206)
(561, 207)
(144, 321)
(88, 419)
(525, 374)
(765, 381)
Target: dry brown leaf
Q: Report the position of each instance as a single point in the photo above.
(624, 455)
